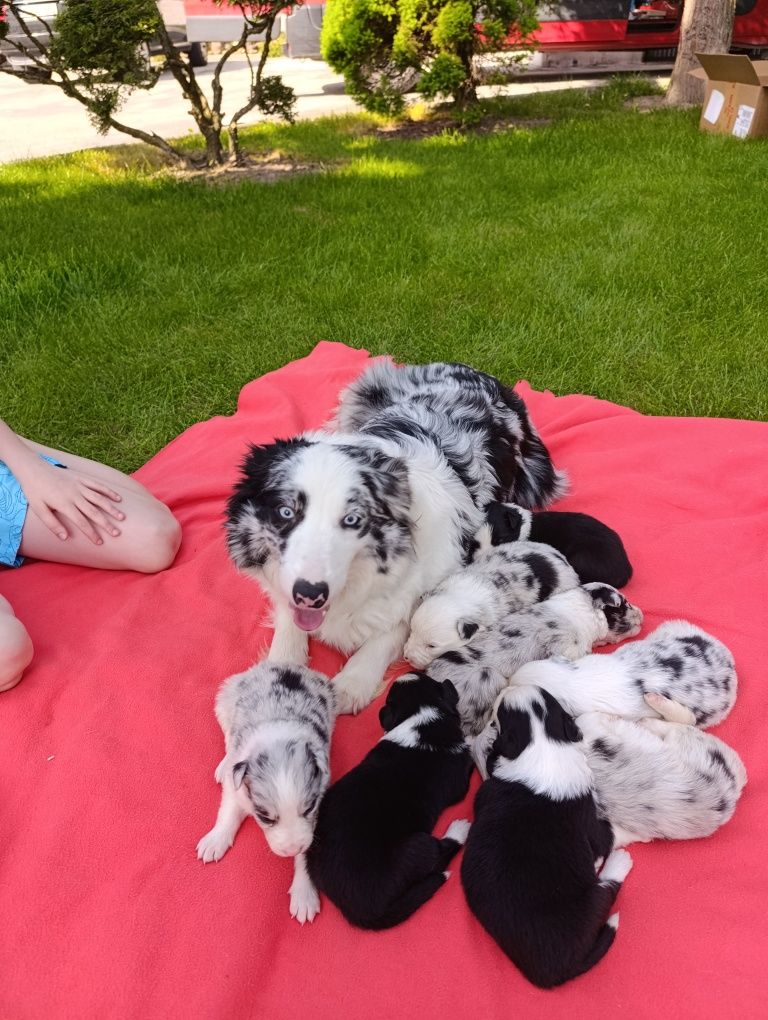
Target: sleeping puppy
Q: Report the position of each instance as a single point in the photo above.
(498, 582)
(277, 723)
(594, 550)
(656, 779)
(677, 663)
(529, 867)
(373, 854)
(569, 624)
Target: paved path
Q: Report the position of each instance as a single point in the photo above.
(39, 120)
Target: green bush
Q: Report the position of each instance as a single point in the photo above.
(387, 47)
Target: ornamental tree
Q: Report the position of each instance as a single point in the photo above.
(97, 52)
(385, 48)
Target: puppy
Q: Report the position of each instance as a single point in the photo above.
(594, 550)
(656, 779)
(568, 624)
(678, 662)
(498, 582)
(277, 722)
(373, 854)
(529, 864)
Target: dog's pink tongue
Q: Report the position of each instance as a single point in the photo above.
(308, 619)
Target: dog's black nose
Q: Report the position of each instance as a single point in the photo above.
(310, 596)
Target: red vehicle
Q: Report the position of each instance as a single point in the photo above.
(643, 30)
(650, 26)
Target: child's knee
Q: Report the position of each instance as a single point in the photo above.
(15, 651)
(161, 538)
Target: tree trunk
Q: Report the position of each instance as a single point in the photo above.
(706, 27)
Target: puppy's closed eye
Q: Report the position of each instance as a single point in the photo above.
(265, 818)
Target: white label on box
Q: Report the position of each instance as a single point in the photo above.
(714, 106)
(743, 121)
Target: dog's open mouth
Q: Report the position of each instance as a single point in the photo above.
(308, 619)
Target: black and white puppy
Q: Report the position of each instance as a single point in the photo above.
(595, 551)
(569, 624)
(529, 867)
(374, 854)
(499, 581)
(346, 530)
(277, 722)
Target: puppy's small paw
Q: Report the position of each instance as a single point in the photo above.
(351, 696)
(458, 830)
(670, 710)
(214, 845)
(305, 901)
(617, 866)
(221, 769)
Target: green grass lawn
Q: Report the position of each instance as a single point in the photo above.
(611, 252)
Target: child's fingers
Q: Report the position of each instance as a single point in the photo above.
(97, 499)
(98, 486)
(93, 513)
(79, 518)
(51, 521)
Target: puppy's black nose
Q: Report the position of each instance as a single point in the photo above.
(310, 596)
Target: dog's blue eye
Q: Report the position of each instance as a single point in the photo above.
(286, 513)
(352, 521)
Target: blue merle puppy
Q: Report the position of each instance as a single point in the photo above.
(277, 722)
(374, 854)
(530, 865)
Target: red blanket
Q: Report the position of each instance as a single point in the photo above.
(109, 744)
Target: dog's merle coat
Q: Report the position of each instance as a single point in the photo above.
(595, 551)
(529, 864)
(502, 580)
(568, 624)
(479, 425)
(277, 722)
(678, 661)
(656, 779)
(373, 853)
(346, 530)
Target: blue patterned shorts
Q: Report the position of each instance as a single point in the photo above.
(13, 513)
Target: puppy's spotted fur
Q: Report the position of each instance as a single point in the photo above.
(499, 581)
(277, 722)
(569, 624)
(678, 661)
(656, 779)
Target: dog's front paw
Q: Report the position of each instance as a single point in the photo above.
(353, 692)
(305, 901)
(214, 845)
(221, 769)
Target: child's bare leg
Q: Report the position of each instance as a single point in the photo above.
(15, 647)
(149, 534)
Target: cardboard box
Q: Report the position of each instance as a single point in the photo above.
(736, 102)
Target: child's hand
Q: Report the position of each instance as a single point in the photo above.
(53, 494)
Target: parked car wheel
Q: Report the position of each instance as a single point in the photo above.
(198, 54)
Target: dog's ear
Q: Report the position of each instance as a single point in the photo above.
(558, 724)
(238, 773)
(450, 693)
(604, 595)
(514, 732)
(467, 629)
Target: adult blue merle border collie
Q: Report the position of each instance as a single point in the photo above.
(347, 529)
